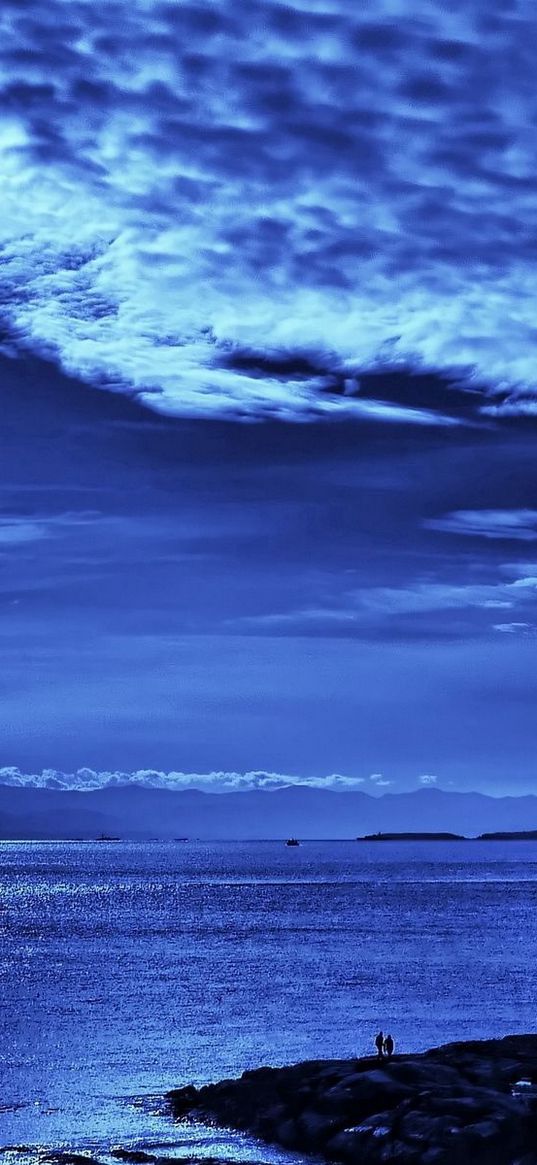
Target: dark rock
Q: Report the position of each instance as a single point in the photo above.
(361, 1094)
(424, 1128)
(288, 1135)
(419, 1073)
(458, 1104)
(137, 1156)
(183, 1100)
(315, 1129)
(68, 1158)
(435, 1155)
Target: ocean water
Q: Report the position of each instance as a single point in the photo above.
(127, 969)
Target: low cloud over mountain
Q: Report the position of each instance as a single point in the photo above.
(216, 782)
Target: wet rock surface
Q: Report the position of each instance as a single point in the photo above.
(472, 1102)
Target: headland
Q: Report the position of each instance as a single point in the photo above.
(473, 1102)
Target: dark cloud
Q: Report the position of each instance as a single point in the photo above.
(353, 187)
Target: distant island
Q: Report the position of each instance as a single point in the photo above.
(413, 837)
(504, 835)
(521, 835)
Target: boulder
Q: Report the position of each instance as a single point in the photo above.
(362, 1094)
(316, 1129)
(288, 1135)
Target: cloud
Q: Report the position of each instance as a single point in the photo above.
(428, 779)
(18, 532)
(515, 628)
(213, 782)
(190, 191)
(516, 525)
(401, 610)
(379, 780)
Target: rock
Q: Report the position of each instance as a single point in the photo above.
(423, 1128)
(435, 1156)
(288, 1135)
(316, 1129)
(399, 1152)
(420, 1073)
(465, 1108)
(363, 1093)
(67, 1158)
(183, 1100)
(450, 1106)
(137, 1156)
(268, 1120)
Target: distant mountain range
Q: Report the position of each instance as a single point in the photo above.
(131, 811)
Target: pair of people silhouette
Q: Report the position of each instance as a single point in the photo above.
(384, 1045)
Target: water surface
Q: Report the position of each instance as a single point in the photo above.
(129, 968)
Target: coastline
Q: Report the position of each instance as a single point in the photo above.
(471, 1101)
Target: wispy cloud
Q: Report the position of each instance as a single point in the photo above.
(360, 609)
(20, 530)
(514, 525)
(232, 210)
(526, 629)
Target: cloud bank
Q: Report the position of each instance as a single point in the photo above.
(234, 210)
(214, 782)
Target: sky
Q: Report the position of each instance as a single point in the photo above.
(268, 504)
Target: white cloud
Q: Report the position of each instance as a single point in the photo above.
(185, 183)
(213, 782)
(428, 779)
(515, 628)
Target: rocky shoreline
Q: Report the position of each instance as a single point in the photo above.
(472, 1102)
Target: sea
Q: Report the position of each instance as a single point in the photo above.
(128, 969)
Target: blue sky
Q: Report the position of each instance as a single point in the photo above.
(268, 487)
(198, 596)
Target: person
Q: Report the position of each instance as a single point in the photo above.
(379, 1044)
(389, 1046)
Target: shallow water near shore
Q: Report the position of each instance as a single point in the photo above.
(129, 968)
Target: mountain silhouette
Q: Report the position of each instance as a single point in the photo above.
(132, 811)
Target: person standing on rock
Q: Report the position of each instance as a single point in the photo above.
(379, 1044)
(388, 1046)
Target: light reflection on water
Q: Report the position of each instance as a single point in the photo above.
(132, 968)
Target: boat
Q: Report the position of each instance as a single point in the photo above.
(292, 841)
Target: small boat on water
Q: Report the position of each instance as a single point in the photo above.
(292, 841)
